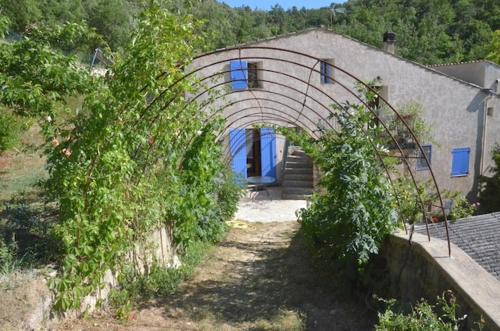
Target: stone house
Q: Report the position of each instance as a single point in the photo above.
(460, 103)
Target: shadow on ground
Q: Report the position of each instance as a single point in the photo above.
(257, 274)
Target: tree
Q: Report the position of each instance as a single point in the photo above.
(494, 48)
(489, 197)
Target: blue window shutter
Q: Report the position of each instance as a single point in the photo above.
(460, 161)
(239, 75)
(238, 148)
(268, 152)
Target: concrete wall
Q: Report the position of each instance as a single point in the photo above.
(424, 270)
(453, 109)
(473, 72)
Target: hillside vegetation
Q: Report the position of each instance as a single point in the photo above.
(429, 31)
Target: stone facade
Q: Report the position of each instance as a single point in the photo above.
(457, 111)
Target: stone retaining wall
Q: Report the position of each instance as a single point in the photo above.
(26, 301)
(424, 270)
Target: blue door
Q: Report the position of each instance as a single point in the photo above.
(238, 148)
(268, 152)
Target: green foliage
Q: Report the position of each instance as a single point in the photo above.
(461, 207)
(37, 77)
(26, 236)
(10, 130)
(130, 163)
(494, 48)
(424, 316)
(353, 212)
(489, 198)
(428, 31)
(158, 282)
(133, 157)
(8, 261)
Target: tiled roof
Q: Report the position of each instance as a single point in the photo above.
(478, 236)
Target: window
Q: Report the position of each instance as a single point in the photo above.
(254, 71)
(490, 111)
(421, 164)
(460, 162)
(326, 69)
(239, 75)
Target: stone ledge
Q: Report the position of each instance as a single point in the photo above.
(478, 288)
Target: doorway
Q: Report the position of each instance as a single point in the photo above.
(253, 153)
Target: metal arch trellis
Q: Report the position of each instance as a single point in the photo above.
(372, 144)
(300, 102)
(309, 85)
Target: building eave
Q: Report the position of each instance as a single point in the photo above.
(323, 29)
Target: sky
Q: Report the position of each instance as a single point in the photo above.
(267, 4)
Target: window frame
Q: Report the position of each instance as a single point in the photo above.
(325, 78)
(424, 167)
(254, 66)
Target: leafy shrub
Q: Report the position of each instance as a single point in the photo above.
(423, 317)
(8, 259)
(354, 212)
(461, 208)
(138, 156)
(158, 282)
(489, 198)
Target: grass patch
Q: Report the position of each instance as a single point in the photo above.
(159, 282)
(26, 233)
(285, 320)
(21, 170)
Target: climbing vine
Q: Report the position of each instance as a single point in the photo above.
(133, 156)
(354, 209)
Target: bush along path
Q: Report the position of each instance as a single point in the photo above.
(260, 277)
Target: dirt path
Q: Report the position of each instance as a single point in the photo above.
(258, 278)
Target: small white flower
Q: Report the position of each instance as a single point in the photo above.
(49, 119)
(199, 132)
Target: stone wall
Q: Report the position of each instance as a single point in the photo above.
(26, 301)
(424, 270)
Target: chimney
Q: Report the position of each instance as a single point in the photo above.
(389, 42)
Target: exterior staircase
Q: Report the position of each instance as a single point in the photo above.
(298, 176)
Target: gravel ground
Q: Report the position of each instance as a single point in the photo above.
(259, 278)
(268, 211)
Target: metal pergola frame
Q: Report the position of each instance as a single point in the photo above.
(281, 116)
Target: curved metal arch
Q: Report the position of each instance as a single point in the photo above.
(207, 90)
(401, 119)
(262, 112)
(264, 117)
(331, 127)
(192, 100)
(261, 108)
(424, 156)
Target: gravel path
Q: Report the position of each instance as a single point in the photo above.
(268, 211)
(259, 278)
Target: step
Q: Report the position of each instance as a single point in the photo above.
(298, 152)
(297, 183)
(298, 163)
(295, 196)
(298, 158)
(298, 190)
(289, 176)
(298, 171)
